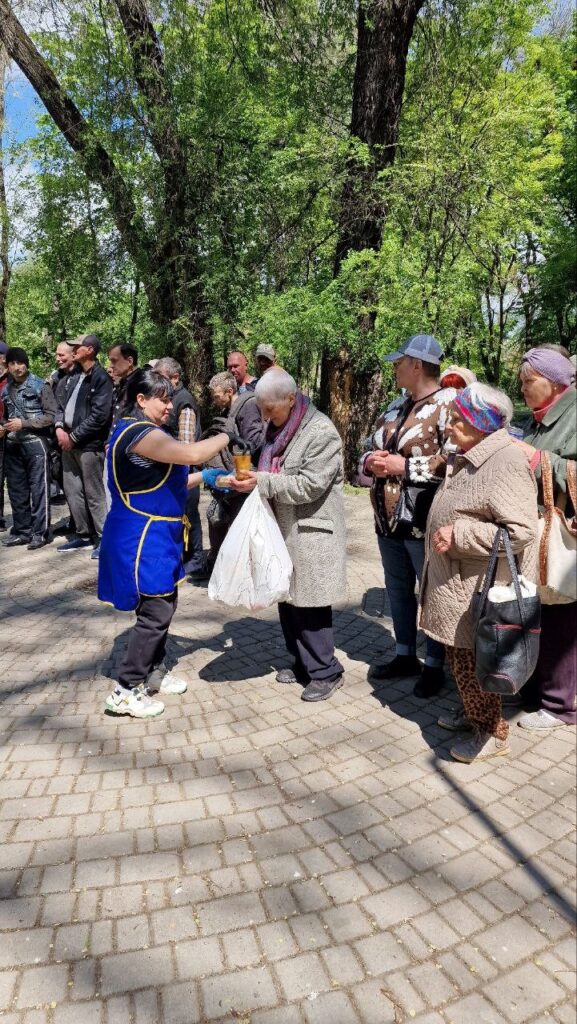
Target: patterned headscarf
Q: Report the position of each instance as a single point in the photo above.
(487, 419)
(551, 365)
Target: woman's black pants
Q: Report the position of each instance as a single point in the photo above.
(147, 639)
(308, 634)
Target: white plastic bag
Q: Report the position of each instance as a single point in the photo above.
(253, 567)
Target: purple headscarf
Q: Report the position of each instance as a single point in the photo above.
(277, 438)
(554, 366)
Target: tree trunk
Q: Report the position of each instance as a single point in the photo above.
(166, 254)
(5, 267)
(384, 30)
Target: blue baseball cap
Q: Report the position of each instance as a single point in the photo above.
(419, 346)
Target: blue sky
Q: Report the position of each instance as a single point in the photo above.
(22, 108)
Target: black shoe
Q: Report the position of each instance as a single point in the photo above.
(16, 541)
(75, 543)
(38, 541)
(430, 684)
(3, 525)
(321, 689)
(401, 667)
(199, 575)
(62, 530)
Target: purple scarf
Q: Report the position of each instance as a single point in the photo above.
(277, 439)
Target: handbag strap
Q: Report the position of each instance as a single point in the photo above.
(501, 537)
(571, 476)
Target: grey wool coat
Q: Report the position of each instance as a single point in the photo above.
(307, 500)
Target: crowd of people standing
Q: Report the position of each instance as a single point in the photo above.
(446, 472)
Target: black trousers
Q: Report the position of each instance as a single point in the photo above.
(147, 639)
(28, 478)
(308, 634)
(193, 557)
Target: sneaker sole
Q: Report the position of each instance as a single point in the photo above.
(486, 757)
(114, 710)
(173, 693)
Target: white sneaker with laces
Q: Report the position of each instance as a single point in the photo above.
(172, 684)
(135, 703)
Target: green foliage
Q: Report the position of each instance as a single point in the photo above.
(480, 202)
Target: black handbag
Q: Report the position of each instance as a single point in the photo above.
(506, 632)
(414, 505)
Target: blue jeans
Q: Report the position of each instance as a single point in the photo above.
(403, 562)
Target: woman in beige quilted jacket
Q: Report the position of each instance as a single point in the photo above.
(491, 485)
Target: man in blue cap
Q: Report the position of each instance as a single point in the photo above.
(408, 461)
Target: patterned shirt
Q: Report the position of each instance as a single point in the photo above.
(415, 430)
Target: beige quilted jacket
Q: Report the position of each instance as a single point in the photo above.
(490, 484)
(307, 500)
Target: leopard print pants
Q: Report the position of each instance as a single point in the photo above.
(482, 709)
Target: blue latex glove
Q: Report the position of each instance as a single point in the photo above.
(210, 476)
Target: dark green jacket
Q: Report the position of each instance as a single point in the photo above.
(557, 434)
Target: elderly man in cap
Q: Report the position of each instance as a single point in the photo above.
(264, 358)
(29, 410)
(82, 425)
(407, 463)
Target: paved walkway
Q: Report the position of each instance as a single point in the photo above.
(251, 858)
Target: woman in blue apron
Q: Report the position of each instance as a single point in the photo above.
(140, 562)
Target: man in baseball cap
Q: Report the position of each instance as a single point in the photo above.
(264, 358)
(418, 346)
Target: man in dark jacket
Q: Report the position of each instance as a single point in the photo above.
(30, 411)
(184, 424)
(123, 360)
(82, 425)
(241, 415)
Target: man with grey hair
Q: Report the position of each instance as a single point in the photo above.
(241, 415)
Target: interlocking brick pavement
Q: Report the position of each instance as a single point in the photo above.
(251, 858)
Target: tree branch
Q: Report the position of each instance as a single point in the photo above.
(98, 163)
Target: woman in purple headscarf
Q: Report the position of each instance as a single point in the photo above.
(548, 386)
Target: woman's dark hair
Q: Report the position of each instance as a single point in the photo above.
(147, 383)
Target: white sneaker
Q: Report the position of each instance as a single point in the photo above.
(135, 703)
(172, 684)
(540, 719)
(161, 680)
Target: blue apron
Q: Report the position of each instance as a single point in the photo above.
(142, 540)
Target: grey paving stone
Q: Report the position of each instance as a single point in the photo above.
(524, 992)
(283, 863)
(237, 993)
(302, 976)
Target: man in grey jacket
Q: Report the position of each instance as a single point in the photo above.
(30, 410)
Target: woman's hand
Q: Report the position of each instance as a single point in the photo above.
(395, 465)
(382, 464)
(244, 486)
(442, 539)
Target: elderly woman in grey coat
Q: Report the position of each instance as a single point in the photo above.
(300, 471)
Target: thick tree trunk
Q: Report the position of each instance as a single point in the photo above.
(384, 30)
(5, 268)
